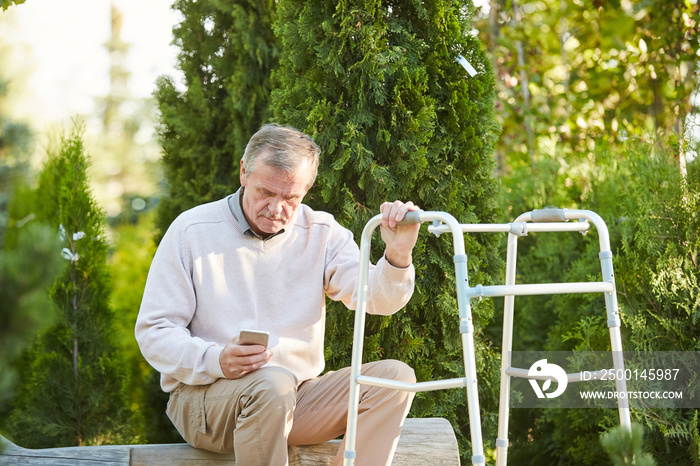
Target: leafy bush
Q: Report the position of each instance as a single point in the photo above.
(652, 215)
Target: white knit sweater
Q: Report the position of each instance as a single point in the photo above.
(209, 280)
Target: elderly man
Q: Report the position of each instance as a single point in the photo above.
(260, 259)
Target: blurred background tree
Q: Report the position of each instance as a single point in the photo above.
(653, 221)
(126, 176)
(25, 308)
(73, 389)
(124, 172)
(573, 72)
(598, 106)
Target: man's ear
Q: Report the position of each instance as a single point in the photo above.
(242, 174)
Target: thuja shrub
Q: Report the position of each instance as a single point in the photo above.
(227, 52)
(379, 87)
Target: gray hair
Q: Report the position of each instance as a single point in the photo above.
(286, 149)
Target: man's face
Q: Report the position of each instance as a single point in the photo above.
(272, 195)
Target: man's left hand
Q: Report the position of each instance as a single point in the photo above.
(399, 238)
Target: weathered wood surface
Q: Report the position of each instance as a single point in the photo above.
(429, 441)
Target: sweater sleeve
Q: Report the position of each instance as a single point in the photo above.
(168, 305)
(389, 288)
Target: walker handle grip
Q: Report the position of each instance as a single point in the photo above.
(412, 216)
(548, 215)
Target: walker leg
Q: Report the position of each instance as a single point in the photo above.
(466, 328)
(507, 347)
(615, 338)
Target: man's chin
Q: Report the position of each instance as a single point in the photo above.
(270, 227)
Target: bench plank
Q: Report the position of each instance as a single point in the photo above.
(423, 441)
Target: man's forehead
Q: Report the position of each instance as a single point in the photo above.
(273, 174)
(280, 181)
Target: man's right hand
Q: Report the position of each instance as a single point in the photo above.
(238, 360)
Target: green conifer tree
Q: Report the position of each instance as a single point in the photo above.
(379, 87)
(625, 447)
(72, 391)
(228, 52)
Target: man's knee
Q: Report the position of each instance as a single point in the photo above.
(273, 385)
(391, 369)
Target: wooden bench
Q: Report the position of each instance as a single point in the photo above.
(424, 441)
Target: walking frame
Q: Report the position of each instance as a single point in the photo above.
(546, 220)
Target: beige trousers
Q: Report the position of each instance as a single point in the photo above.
(257, 416)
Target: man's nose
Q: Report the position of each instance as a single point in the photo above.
(276, 205)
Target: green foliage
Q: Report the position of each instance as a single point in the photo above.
(594, 71)
(659, 276)
(72, 390)
(129, 262)
(24, 242)
(25, 309)
(16, 139)
(625, 447)
(651, 212)
(227, 54)
(5, 4)
(379, 88)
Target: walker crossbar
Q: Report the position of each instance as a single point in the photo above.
(517, 228)
(413, 387)
(537, 289)
(546, 220)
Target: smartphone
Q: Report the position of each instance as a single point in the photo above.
(253, 337)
